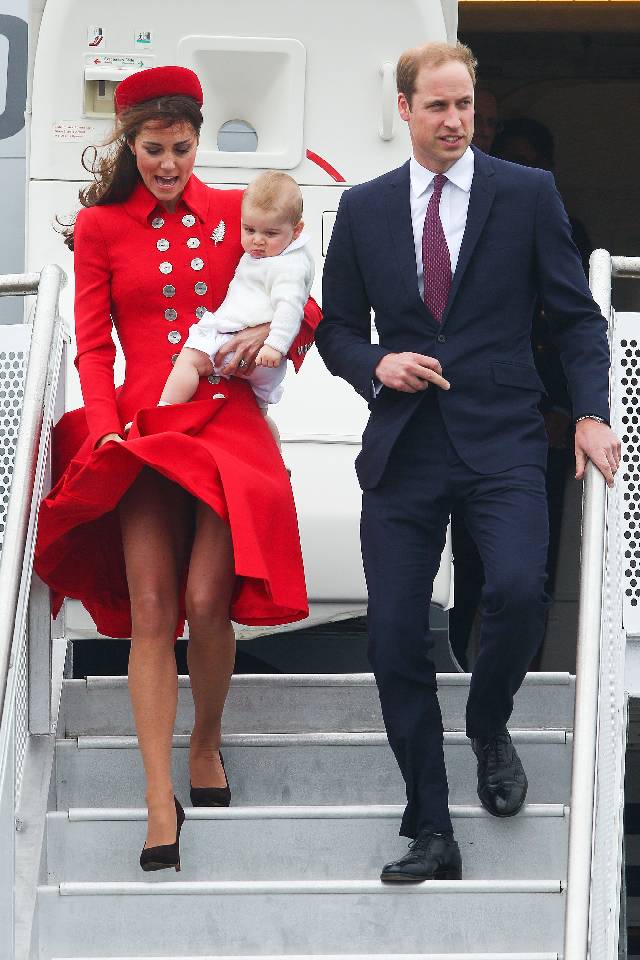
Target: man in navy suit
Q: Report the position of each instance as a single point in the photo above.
(452, 251)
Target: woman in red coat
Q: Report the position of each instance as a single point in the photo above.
(189, 512)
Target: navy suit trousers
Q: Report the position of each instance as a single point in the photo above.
(403, 528)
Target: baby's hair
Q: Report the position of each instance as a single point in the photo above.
(276, 191)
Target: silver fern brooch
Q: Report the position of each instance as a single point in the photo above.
(218, 233)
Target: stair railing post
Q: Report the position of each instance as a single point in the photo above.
(576, 942)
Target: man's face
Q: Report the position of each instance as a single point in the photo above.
(440, 115)
(485, 120)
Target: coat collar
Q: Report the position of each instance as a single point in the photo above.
(195, 197)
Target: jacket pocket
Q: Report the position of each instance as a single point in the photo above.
(516, 375)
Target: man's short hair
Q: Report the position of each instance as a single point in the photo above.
(431, 55)
(275, 191)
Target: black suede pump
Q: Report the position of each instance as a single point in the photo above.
(166, 855)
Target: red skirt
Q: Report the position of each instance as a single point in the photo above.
(219, 450)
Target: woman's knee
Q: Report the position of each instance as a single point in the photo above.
(206, 609)
(153, 613)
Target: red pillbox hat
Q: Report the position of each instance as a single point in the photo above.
(157, 82)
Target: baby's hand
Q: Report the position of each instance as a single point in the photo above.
(268, 357)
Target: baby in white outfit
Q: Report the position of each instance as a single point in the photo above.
(271, 285)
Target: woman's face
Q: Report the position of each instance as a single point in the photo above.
(165, 157)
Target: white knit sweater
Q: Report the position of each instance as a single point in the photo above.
(267, 290)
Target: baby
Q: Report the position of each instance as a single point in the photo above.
(271, 285)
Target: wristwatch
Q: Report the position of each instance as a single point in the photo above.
(591, 416)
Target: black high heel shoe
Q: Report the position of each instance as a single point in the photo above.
(211, 796)
(166, 855)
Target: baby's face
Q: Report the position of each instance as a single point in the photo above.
(264, 233)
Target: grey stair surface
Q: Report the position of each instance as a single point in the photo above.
(302, 916)
(313, 768)
(280, 842)
(356, 956)
(100, 706)
(291, 870)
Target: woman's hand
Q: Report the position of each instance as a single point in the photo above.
(245, 346)
(108, 436)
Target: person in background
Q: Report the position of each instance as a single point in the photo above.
(485, 119)
(527, 142)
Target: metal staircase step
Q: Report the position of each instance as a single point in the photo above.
(100, 706)
(353, 956)
(276, 843)
(301, 769)
(79, 919)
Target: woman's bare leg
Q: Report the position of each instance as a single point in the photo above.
(156, 523)
(211, 649)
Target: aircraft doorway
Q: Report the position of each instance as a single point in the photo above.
(572, 68)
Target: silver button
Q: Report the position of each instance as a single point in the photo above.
(171, 314)
(213, 379)
(193, 243)
(162, 245)
(188, 220)
(197, 263)
(169, 290)
(174, 357)
(174, 336)
(200, 288)
(166, 267)
(218, 396)
(200, 312)
(157, 222)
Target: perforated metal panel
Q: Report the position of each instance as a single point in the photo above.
(14, 348)
(626, 374)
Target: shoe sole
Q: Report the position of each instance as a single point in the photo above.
(403, 878)
(156, 865)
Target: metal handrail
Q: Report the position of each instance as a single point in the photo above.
(48, 285)
(576, 938)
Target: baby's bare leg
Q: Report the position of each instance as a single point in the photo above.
(183, 380)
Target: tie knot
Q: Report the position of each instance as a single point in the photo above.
(438, 183)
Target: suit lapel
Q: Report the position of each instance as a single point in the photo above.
(398, 203)
(483, 188)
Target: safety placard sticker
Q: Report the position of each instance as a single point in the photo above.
(143, 38)
(70, 131)
(95, 36)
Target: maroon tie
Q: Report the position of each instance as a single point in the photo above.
(435, 254)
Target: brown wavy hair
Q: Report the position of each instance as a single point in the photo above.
(115, 173)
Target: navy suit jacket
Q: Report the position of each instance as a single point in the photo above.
(516, 249)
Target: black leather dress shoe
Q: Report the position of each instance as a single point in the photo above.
(502, 782)
(431, 856)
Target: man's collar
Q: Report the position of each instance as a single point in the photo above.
(460, 174)
(142, 203)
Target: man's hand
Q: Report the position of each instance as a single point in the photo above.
(268, 357)
(597, 442)
(410, 372)
(245, 346)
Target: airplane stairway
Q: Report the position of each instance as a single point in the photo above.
(292, 868)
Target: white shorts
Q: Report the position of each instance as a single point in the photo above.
(266, 382)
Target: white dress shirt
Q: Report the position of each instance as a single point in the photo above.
(454, 205)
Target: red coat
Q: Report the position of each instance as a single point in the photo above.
(148, 272)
